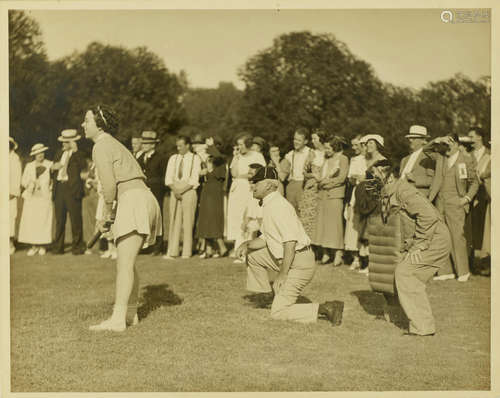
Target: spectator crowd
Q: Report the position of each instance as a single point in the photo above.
(208, 207)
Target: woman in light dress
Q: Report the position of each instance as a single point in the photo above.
(138, 219)
(374, 149)
(329, 231)
(38, 209)
(240, 195)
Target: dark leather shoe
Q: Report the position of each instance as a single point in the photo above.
(417, 335)
(334, 310)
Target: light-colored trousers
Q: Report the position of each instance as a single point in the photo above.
(181, 214)
(411, 279)
(294, 191)
(410, 282)
(13, 216)
(454, 217)
(301, 272)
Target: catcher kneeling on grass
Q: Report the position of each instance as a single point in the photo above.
(285, 248)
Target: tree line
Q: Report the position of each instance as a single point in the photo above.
(302, 80)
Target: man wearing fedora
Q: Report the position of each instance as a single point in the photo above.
(136, 144)
(418, 168)
(153, 165)
(68, 192)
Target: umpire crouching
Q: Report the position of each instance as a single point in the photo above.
(285, 248)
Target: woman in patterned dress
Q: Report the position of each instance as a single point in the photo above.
(312, 173)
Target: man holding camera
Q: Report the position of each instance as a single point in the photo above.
(418, 168)
(454, 188)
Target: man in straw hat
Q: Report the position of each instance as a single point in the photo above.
(68, 192)
(154, 165)
(14, 189)
(136, 144)
(418, 168)
(283, 247)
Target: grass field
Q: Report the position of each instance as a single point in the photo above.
(201, 331)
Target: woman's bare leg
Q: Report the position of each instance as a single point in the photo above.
(127, 282)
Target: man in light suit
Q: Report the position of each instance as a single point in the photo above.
(418, 168)
(455, 186)
(182, 177)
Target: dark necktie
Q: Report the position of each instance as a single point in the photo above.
(179, 170)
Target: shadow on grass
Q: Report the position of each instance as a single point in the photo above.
(265, 300)
(156, 296)
(382, 307)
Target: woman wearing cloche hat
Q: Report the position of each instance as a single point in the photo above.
(38, 210)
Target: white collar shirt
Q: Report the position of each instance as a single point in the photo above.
(452, 159)
(148, 155)
(62, 174)
(411, 162)
(479, 153)
(297, 161)
(281, 224)
(357, 166)
(191, 166)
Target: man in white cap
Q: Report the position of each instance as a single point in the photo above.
(154, 165)
(14, 189)
(418, 168)
(68, 192)
(283, 247)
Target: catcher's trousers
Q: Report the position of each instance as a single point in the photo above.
(301, 272)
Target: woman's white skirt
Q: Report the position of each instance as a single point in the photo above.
(138, 211)
(238, 200)
(36, 221)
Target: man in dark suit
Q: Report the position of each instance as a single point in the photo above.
(418, 168)
(482, 155)
(68, 192)
(454, 188)
(154, 166)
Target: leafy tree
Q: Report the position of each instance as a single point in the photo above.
(214, 111)
(135, 82)
(455, 104)
(306, 80)
(28, 68)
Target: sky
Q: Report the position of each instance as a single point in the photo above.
(408, 47)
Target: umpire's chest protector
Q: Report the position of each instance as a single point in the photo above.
(385, 244)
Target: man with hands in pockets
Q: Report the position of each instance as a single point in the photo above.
(284, 247)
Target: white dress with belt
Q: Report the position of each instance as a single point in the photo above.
(38, 209)
(240, 195)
